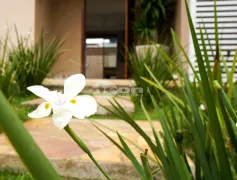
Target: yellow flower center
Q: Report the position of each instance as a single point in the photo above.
(47, 106)
(73, 101)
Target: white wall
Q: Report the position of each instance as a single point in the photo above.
(19, 12)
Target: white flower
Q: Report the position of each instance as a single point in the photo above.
(67, 105)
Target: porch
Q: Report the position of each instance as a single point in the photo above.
(96, 33)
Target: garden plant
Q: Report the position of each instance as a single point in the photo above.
(204, 116)
(24, 64)
(159, 67)
(198, 138)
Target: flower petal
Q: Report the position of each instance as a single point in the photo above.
(74, 85)
(83, 106)
(42, 110)
(61, 117)
(41, 91)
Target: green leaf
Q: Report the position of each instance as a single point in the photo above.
(146, 166)
(230, 79)
(178, 44)
(177, 159)
(169, 94)
(225, 100)
(131, 142)
(157, 150)
(113, 141)
(133, 159)
(225, 104)
(210, 101)
(83, 146)
(33, 158)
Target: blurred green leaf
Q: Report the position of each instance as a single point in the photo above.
(35, 161)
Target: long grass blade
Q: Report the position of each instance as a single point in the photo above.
(177, 159)
(34, 159)
(146, 166)
(217, 134)
(83, 146)
(133, 159)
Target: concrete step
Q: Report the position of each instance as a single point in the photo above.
(69, 160)
(124, 101)
(91, 84)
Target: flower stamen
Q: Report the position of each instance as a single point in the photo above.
(47, 106)
(73, 101)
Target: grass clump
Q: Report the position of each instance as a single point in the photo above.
(24, 64)
(5, 175)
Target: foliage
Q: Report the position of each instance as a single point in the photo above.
(33, 62)
(24, 64)
(205, 113)
(33, 158)
(84, 147)
(4, 175)
(157, 64)
(154, 20)
(21, 111)
(144, 31)
(8, 83)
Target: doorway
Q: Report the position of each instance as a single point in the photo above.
(105, 39)
(101, 58)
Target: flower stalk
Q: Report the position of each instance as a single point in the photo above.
(84, 147)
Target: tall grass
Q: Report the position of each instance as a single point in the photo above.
(157, 64)
(24, 64)
(4, 175)
(8, 82)
(34, 61)
(31, 155)
(206, 112)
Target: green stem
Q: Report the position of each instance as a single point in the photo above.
(84, 148)
(146, 166)
(30, 153)
(225, 100)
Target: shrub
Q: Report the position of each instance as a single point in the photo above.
(157, 64)
(33, 62)
(155, 18)
(206, 112)
(24, 64)
(8, 83)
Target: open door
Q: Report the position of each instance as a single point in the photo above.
(129, 17)
(107, 20)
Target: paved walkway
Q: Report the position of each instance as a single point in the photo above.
(124, 101)
(72, 162)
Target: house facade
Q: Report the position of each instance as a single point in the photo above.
(96, 32)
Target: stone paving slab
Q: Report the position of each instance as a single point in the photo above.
(91, 82)
(124, 101)
(72, 162)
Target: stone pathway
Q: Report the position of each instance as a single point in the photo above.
(72, 162)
